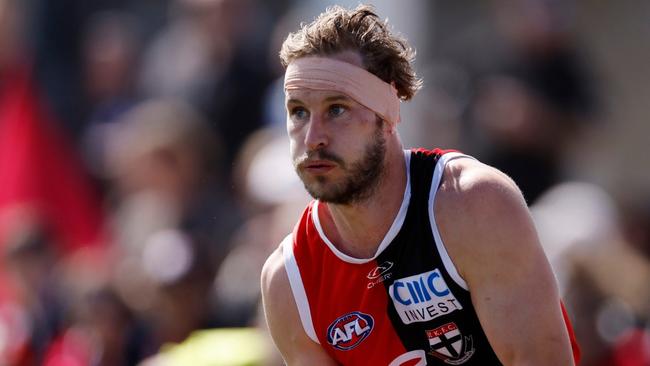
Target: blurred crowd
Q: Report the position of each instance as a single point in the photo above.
(145, 173)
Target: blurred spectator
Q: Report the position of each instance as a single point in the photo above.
(536, 106)
(273, 196)
(11, 27)
(164, 152)
(48, 208)
(58, 32)
(173, 218)
(55, 29)
(110, 62)
(632, 346)
(28, 261)
(602, 273)
(102, 331)
(110, 56)
(210, 55)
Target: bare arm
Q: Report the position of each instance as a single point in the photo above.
(492, 240)
(283, 319)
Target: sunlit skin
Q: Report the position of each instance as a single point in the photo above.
(328, 175)
(332, 140)
(331, 137)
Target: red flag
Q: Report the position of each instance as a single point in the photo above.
(39, 168)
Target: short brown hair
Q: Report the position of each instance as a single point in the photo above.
(386, 55)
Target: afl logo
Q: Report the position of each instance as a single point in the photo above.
(349, 330)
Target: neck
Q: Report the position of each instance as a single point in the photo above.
(357, 229)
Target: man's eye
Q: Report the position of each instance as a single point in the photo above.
(299, 113)
(337, 110)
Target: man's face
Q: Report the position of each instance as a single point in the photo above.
(337, 145)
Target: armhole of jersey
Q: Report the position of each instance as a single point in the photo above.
(435, 184)
(297, 287)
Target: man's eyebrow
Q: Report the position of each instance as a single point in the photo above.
(293, 101)
(336, 98)
(333, 98)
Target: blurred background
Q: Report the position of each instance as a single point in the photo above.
(145, 173)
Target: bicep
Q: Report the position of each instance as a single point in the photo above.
(283, 319)
(495, 246)
(518, 305)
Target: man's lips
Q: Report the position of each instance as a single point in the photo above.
(318, 166)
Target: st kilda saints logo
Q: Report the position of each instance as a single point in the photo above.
(448, 344)
(347, 331)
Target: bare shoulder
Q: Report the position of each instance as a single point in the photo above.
(276, 293)
(283, 318)
(480, 212)
(474, 185)
(491, 239)
(274, 276)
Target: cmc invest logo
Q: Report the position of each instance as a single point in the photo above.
(422, 297)
(349, 330)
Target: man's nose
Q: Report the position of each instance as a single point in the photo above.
(316, 137)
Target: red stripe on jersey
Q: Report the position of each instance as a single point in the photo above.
(433, 152)
(575, 347)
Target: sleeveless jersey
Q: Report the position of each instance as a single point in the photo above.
(405, 306)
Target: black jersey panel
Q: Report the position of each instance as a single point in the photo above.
(428, 309)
